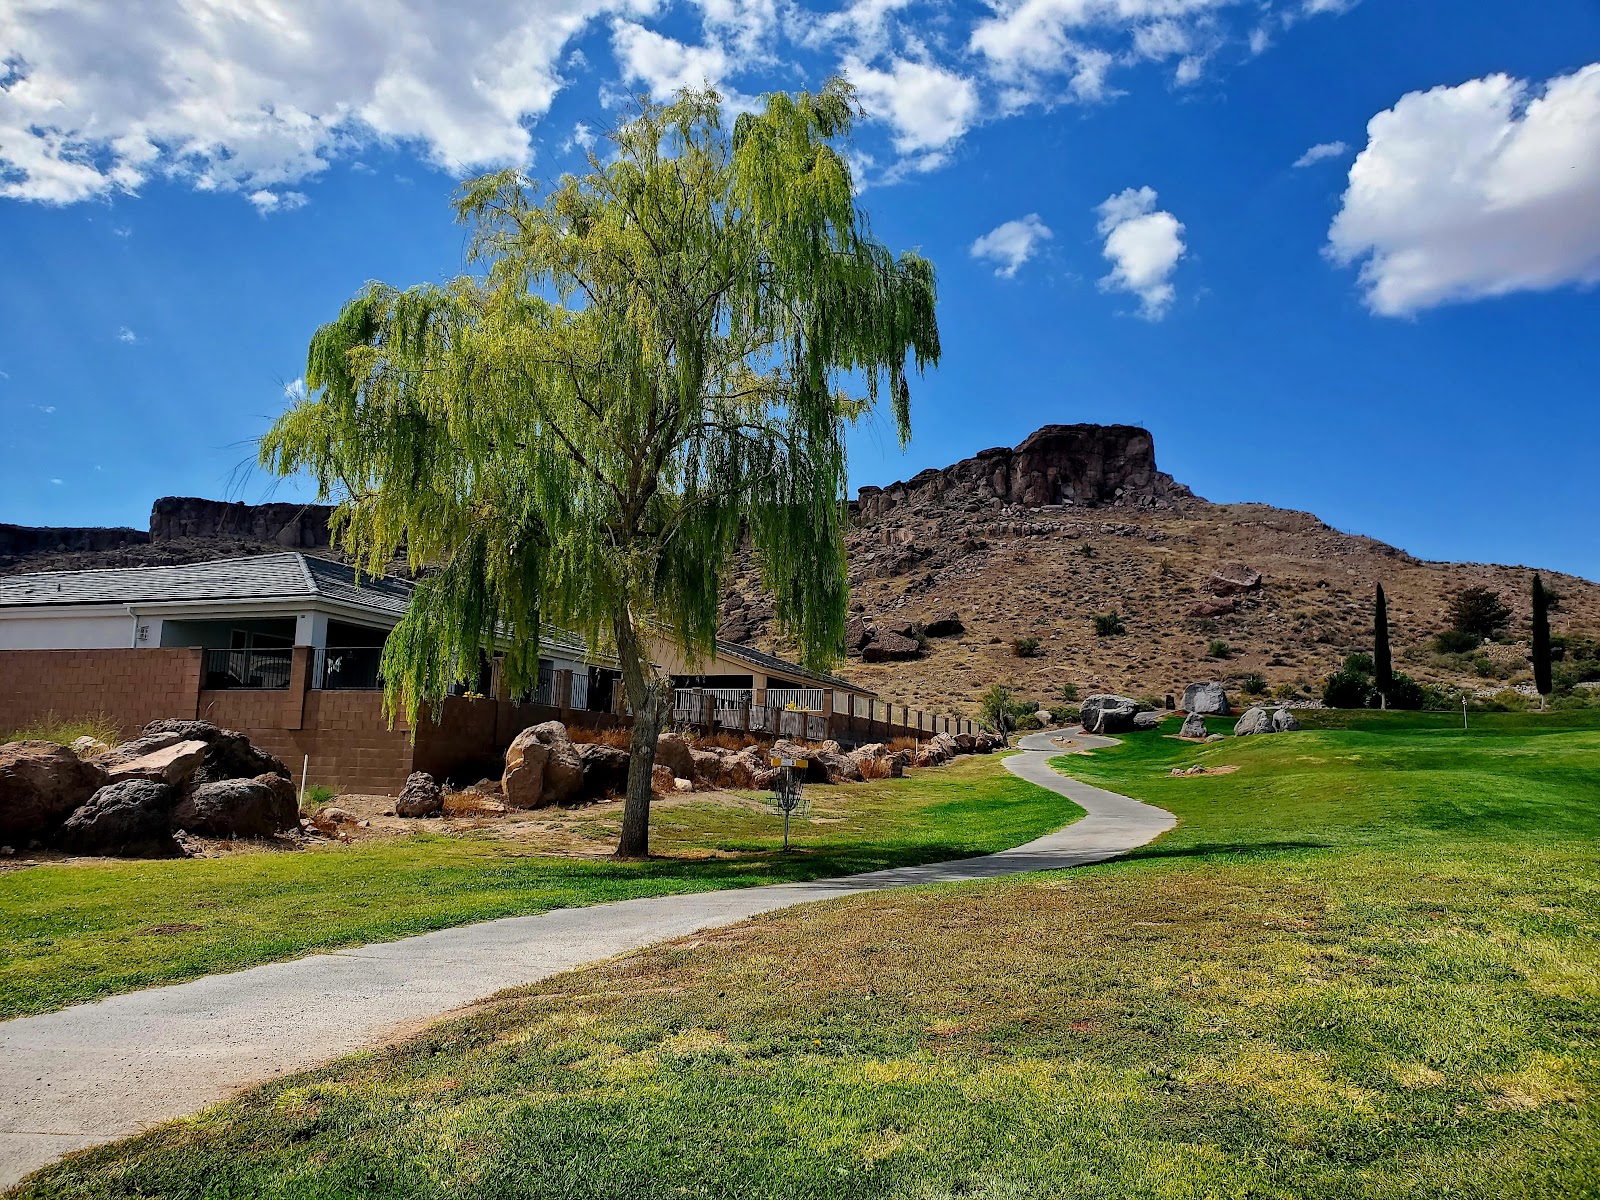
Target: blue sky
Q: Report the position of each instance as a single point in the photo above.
(1398, 335)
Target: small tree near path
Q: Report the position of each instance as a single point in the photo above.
(648, 367)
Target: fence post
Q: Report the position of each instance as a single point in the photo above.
(563, 696)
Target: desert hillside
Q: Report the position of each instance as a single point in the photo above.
(1077, 521)
(1031, 542)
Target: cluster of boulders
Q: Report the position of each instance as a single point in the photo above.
(1263, 719)
(885, 642)
(142, 797)
(1106, 713)
(544, 767)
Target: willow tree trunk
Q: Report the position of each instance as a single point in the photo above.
(645, 698)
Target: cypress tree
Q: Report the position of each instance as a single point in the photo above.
(1541, 639)
(1382, 662)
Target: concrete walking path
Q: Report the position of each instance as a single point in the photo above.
(100, 1071)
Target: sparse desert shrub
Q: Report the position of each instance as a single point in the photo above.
(1085, 551)
(1069, 693)
(1453, 641)
(1253, 684)
(1065, 714)
(1346, 689)
(1483, 666)
(1109, 625)
(616, 738)
(471, 803)
(63, 731)
(1218, 649)
(1285, 691)
(722, 739)
(1025, 647)
(895, 745)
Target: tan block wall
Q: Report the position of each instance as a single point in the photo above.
(131, 687)
(348, 739)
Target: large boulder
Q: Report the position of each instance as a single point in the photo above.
(834, 764)
(161, 758)
(1256, 719)
(1233, 579)
(874, 761)
(1194, 726)
(41, 784)
(985, 743)
(1148, 720)
(420, 797)
(253, 808)
(229, 754)
(132, 819)
(890, 647)
(1207, 699)
(605, 770)
(673, 752)
(1283, 721)
(542, 768)
(947, 625)
(1106, 713)
(857, 634)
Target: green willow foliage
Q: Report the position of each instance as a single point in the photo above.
(647, 368)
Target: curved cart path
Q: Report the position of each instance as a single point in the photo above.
(95, 1072)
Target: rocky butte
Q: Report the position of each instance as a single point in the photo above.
(1091, 466)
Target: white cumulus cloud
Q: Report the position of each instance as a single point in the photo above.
(101, 98)
(1012, 244)
(1321, 151)
(1143, 245)
(127, 336)
(664, 65)
(928, 107)
(270, 202)
(1477, 190)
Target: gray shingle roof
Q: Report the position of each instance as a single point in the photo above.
(269, 576)
(771, 662)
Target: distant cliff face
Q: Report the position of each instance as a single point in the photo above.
(1089, 466)
(294, 526)
(24, 541)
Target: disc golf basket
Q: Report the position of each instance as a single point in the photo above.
(788, 796)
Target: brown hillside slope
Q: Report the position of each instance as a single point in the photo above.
(1035, 542)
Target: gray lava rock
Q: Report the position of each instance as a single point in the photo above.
(420, 797)
(1104, 713)
(1207, 699)
(1194, 726)
(131, 819)
(1255, 720)
(1147, 720)
(1284, 721)
(261, 807)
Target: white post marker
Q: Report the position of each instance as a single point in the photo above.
(305, 771)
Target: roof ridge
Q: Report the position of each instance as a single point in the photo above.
(305, 573)
(204, 562)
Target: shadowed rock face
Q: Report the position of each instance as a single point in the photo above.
(296, 526)
(1084, 465)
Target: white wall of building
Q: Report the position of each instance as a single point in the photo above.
(66, 632)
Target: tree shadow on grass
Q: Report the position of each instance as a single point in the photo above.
(1225, 850)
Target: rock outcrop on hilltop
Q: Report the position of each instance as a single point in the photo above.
(1093, 466)
(293, 526)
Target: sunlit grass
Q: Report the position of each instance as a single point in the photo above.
(78, 931)
(1366, 964)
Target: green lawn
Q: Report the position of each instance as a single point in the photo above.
(77, 932)
(1367, 963)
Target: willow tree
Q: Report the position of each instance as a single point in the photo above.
(647, 372)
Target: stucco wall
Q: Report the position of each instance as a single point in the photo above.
(66, 632)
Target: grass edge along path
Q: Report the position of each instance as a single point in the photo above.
(1401, 1000)
(79, 932)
